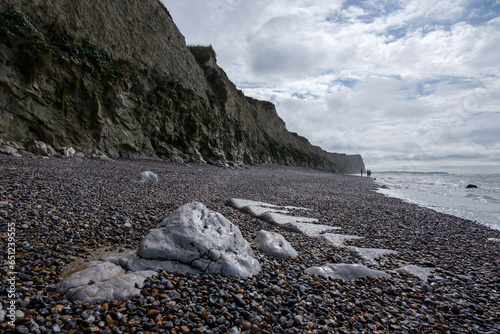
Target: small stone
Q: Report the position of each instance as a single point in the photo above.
(111, 322)
(66, 317)
(246, 325)
(22, 329)
(153, 313)
(25, 302)
(185, 329)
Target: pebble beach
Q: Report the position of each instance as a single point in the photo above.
(69, 211)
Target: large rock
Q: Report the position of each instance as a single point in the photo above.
(274, 244)
(102, 281)
(41, 148)
(146, 177)
(346, 272)
(203, 239)
(193, 239)
(6, 149)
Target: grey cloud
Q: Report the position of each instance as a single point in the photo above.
(408, 83)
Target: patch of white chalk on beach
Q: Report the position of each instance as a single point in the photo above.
(239, 203)
(258, 211)
(271, 214)
(421, 272)
(371, 254)
(279, 218)
(314, 230)
(346, 272)
(337, 240)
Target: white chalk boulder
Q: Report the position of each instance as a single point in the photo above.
(193, 239)
(420, 272)
(274, 244)
(346, 272)
(102, 281)
(68, 152)
(203, 239)
(146, 177)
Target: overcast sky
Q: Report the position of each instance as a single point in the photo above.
(410, 85)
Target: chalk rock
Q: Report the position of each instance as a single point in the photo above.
(346, 272)
(420, 272)
(371, 255)
(146, 177)
(68, 152)
(274, 244)
(285, 221)
(337, 240)
(314, 230)
(102, 281)
(40, 148)
(133, 262)
(6, 149)
(203, 239)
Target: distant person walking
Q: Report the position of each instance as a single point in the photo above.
(361, 173)
(368, 173)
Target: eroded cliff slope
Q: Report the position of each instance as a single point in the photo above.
(117, 76)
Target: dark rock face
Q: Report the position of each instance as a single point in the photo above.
(118, 77)
(471, 186)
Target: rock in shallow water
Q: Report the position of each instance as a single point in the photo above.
(274, 244)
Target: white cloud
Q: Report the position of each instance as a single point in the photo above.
(410, 82)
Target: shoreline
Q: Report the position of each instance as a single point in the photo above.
(449, 194)
(65, 209)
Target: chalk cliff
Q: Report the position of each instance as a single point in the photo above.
(117, 76)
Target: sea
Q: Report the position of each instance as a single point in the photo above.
(447, 193)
